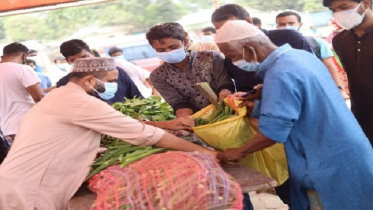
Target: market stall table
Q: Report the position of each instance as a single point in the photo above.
(248, 179)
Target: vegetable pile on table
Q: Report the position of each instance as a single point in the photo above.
(148, 109)
(122, 153)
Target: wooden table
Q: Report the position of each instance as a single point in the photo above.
(248, 179)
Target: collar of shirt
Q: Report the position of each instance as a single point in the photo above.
(368, 30)
(74, 86)
(271, 58)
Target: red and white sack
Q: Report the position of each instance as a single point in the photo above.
(166, 181)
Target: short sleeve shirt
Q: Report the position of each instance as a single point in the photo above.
(325, 50)
(15, 101)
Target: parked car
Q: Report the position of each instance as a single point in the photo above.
(140, 53)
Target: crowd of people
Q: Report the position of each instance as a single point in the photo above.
(53, 132)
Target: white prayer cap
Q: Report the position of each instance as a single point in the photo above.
(236, 30)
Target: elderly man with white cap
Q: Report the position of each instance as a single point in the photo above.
(329, 156)
(59, 138)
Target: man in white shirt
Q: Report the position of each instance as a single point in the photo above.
(138, 75)
(19, 89)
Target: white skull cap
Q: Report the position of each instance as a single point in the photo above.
(236, 30)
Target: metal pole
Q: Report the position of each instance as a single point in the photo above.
(216, 4)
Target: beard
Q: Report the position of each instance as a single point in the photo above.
(99, 88)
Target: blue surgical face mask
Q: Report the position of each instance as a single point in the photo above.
(110, 90)
(247, 66)
(63, 66)
(174, 56)
(295, 28)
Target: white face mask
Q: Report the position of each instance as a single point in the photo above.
(349, 18)
(208, 38)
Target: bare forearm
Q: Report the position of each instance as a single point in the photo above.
(258, 143)
(172, 142)
(163, 125)
(328, 62)
(186, 112)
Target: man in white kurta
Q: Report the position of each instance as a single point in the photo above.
(56, 143)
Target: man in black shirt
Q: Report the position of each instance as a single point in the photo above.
(354, 48)
(245, 81)
(75, 49)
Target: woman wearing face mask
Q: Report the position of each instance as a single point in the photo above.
(175, 79)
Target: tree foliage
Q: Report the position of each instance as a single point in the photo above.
(275, 5)
(134, 15)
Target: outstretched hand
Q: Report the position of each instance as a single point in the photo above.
(182, 123)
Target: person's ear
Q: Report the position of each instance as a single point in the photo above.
(186, 41)
(248, 53)
(249, 20)
(300, 26)
(366, 4)
(89, 80)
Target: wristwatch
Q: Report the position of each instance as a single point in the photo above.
(340, 87)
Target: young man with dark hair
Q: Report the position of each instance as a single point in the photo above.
(19, 89)
(209, 31)
(76, 48)
(354, 48)
(138, 75)
(246, 80)
(257, 22)
(45, 81)
(175, 79)
(293, 21)
(114, 51)
(59, 139)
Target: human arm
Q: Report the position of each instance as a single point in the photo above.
(184, 112)
(98, 116)
(222, 82)
(36, 92)
(182, 123)
(170, 141)
(31, 82)
(258, 143)
(47, 90)
(329, 63)
(327, 57)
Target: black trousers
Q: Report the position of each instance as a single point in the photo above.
(283, 191)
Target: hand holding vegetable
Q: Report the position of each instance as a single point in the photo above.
(183, 123)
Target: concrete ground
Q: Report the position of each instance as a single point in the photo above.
(267, 201)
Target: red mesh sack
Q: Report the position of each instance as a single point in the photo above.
(172, 180)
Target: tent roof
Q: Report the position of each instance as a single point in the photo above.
(16, 7)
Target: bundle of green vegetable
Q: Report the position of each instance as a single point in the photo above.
(151, 109)
(119, 152)
(122, 153)
(223, 112)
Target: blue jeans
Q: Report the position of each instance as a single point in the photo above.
(247, 205)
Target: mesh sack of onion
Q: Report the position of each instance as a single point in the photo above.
(171, 180)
